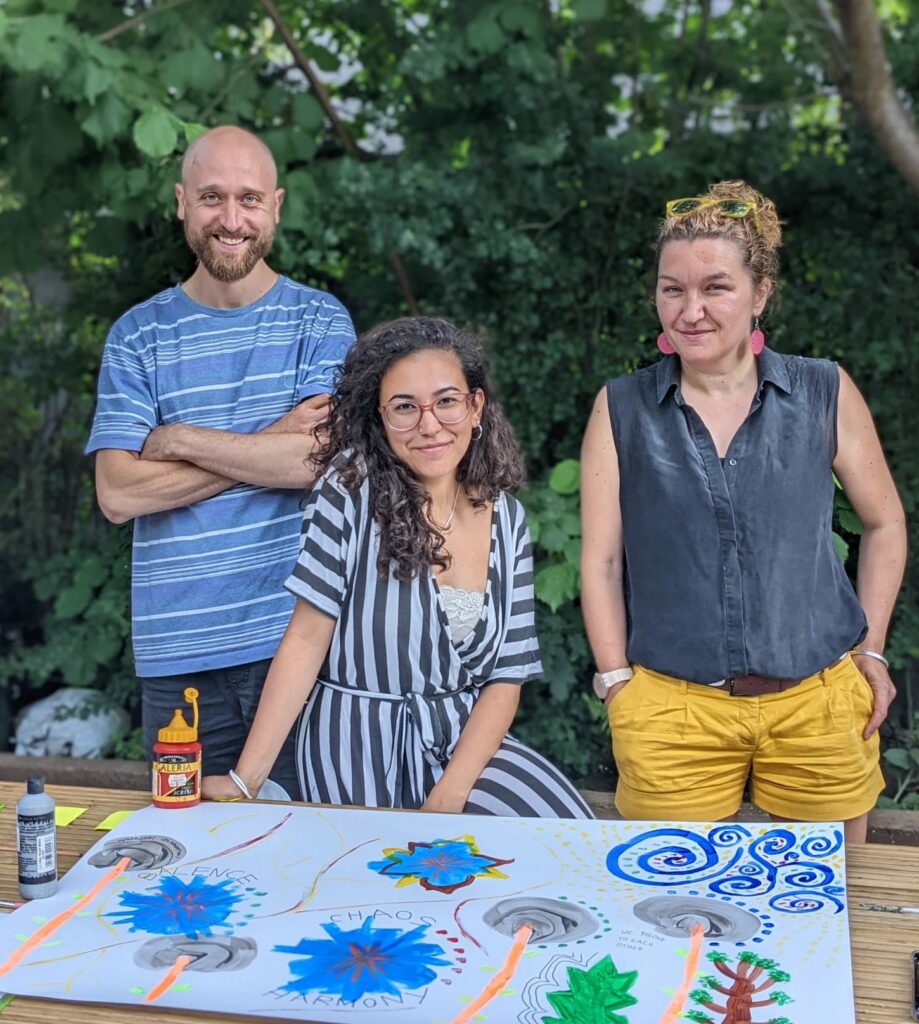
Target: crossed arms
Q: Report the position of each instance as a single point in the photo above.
(180, 464)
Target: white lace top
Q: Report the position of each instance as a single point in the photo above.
(463, 608)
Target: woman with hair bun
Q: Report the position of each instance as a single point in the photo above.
(415, 625)
(730, 644)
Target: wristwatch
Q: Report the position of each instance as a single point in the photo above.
(605, 681)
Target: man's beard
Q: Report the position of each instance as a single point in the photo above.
(228, 266)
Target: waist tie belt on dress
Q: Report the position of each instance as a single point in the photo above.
(415, 710)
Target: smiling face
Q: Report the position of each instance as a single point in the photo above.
(432, 450)
(228, 202)
(706, 299)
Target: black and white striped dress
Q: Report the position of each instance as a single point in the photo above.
(395, 691)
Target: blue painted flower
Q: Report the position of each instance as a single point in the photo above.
(364, 960)
(177, 907)
(443, 865)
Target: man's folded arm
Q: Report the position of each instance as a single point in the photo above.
(128, 486)
(181, 464)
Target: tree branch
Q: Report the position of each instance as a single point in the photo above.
(874, 90)
(341, 130)
(316, 84)
(126, 26)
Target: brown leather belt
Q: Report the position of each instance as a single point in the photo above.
(755, 686)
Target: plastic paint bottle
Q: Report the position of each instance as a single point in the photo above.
(177, 760)
(36, 842)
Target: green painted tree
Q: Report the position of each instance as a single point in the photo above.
(593, 996)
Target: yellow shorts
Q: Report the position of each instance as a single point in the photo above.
(684, 752)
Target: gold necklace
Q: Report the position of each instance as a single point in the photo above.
(446, 525)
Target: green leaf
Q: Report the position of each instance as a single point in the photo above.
(39, 45)
(556, 584)
(589, 10)
(72, 600)
(306, 112)
(91, 573)
(840, 547)
(193, 67)
(553, 538)
(96, 79)
(107, 120)
(849, 521)
(155, 132)
(484, 36)
(565, 478)
(192, 130)
(898, 757)
(520, 18)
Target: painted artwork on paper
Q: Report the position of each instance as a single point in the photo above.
(318, 914)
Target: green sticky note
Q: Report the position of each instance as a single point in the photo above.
(65, 815)
(115, 818)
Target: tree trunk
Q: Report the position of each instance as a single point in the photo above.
(874, 89)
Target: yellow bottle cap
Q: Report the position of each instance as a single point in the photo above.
(178, 730)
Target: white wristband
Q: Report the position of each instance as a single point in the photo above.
(875, 655)
(240, 785)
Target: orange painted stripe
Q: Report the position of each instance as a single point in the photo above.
(503, 976)
(59, 920)
(675, 1006)
(168, 978)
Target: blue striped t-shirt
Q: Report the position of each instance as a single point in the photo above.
(207, 583)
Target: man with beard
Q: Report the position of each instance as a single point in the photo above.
(209, 394)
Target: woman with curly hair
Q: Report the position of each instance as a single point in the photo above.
(414, 626)
(731, 645)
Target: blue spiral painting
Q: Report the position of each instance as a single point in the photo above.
(788, 867)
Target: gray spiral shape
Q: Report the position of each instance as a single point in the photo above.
(146, 852)
(551, 920)
(676, 915)
(210, 954)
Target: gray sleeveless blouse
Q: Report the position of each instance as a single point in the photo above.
(730, 568)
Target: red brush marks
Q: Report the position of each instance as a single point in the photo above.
(242, 846)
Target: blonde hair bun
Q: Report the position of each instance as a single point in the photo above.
(757, 236)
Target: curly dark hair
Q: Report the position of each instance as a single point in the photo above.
(356, 441)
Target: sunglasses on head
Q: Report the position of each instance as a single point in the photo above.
(737, 209)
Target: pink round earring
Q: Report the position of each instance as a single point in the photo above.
(757, 338)
(663, 343)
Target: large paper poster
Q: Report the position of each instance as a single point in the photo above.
(339, 915)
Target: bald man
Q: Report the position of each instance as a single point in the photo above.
(209, 393)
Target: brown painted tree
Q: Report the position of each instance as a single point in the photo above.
(740, 991)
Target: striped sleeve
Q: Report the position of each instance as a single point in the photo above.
(125, 406)
(332, 336)
(518, 659)
(320, 576)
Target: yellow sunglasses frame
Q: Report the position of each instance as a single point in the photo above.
(703, 204)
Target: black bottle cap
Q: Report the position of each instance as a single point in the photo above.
(35, 786)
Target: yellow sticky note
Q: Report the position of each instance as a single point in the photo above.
(65, 815)
(115, 818)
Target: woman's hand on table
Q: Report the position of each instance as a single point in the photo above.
(439, 799)
(878, 678)
(220, 787)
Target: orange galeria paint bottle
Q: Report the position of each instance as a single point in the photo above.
(177, 760)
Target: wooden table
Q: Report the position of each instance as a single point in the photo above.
(881, 942)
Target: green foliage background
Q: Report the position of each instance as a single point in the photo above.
(514, 156)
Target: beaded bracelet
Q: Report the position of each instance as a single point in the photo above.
(240, 785)
(875, 655)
